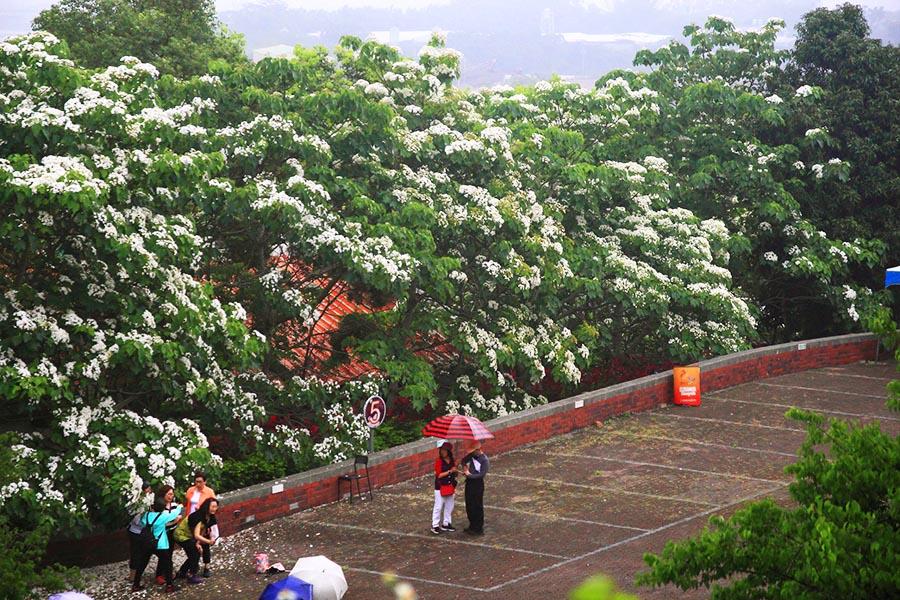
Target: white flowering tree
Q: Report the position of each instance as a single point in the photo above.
(448, 208)
(115, 359)
(170, 246)
(733, 159)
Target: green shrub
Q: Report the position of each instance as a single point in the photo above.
(839, 540)
(255, 468)
(599, 588)
(393, 433)
(22, 574)
(24, 534)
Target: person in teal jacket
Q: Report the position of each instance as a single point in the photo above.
(157, 518)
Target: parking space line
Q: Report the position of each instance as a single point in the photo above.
(541, 515)
(811, 389)
(418, 579)
(843, 373)
(649, 464)
(633, 538)
(443, 538)
(726, 422)
(569, 519)
(819, 410)
(699, 443)
(601, 488)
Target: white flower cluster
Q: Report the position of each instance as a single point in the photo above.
(349, 431)
(58, 175)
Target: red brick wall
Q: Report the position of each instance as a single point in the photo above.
(244, 508)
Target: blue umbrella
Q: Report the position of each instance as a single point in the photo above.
(289, 588)
(892, 277)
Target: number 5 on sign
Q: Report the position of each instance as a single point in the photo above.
(375, 410)
(687, 385)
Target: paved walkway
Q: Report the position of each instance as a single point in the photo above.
(560, 510)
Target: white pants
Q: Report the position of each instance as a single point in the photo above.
(442, 504)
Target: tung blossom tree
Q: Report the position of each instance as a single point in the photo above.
(170, 247)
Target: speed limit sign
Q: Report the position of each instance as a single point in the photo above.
(374, 411)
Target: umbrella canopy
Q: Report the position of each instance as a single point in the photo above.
(326, 577)
(892, 277)
(289, 588)
(457, 427)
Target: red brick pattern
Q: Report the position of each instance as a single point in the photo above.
(640, 395)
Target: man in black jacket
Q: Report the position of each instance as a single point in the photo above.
(475, 466)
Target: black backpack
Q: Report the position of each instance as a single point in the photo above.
(148, 541)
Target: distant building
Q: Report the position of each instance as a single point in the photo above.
(394, 36)
(639, 38)
(583, 81)
(591, 48)
(278, 51)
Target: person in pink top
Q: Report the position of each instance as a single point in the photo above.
(196, 495)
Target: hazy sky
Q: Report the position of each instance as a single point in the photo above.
(16, 15)
(35, 6)
(494, 53)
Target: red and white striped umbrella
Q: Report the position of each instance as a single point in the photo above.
(457, 427)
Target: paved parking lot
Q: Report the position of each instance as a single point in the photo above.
(557, 511)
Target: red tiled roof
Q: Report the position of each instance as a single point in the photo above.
(313, 356)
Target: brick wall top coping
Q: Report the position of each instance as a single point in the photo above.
(500, 423)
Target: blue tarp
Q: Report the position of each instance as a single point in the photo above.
(289, 587)
(892, 277)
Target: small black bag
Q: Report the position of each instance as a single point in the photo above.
(147, 541)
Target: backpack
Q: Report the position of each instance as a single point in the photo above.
(148, 541)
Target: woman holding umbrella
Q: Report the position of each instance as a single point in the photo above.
(444, 489)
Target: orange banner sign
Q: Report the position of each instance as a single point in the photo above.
(687, 385)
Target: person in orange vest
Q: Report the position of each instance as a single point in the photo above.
(196, 495)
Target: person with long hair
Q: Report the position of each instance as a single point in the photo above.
(157, 518)
(196, 495)
(192, 533)
(171, 505)
(444, 490)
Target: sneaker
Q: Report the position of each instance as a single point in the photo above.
(449, 527)
(472, 531)
(206, 572)
(160, 580)
(170, 589)
(195, 579)
(435, 530)
(137, 587)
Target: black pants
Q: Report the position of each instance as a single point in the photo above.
(207, 555)
(164, 566)
(134, 550)
(159, 566)
(192, 565)
(475, 504)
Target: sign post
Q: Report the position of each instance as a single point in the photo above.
(374, 412)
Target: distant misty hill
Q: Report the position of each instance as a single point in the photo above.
(513, 41)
